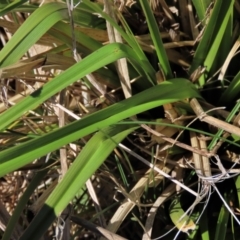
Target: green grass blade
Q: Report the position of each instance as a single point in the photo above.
(84, 16)
(203, 226)
(81, 38)
(150, 72)
(32, 29)
(213, 34)
(226, 43)
(166, 92)
(83, 167)
(201, 7)
(193, 234)
(231, 92)
(96, 60)
(214, 56)
(157, 41)
(86, 45)
(11, 6)
(237, 184)
(231, 115)
(128, 38)
(234, 143)
(176, 213)
(222, 224)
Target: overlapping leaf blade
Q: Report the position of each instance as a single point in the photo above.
(212, 37)
(32, 29)
(169, 91)
(83, 167)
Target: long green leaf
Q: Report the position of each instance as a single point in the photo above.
(11, 6)
(176, 213)
(32, 29)
(232, 91)
(150, 72)
(237, 184)
(222, 34)
(83, 39)
(166, 92)
(222, 224)
(96, 60)
(157, 41)
(83, 167)
(213, 34)
(203, 224)
(201, 7)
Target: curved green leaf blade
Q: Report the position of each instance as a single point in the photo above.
(83, 167)
(222, 224)
(32, 29)
(204, 226)
(150, 72)
(96, 60)
(231, 92)
(237, 184)
(166, 92)
(11, 6)
(201, 8)
(212, 36)
(157, 41)
(182, 221)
